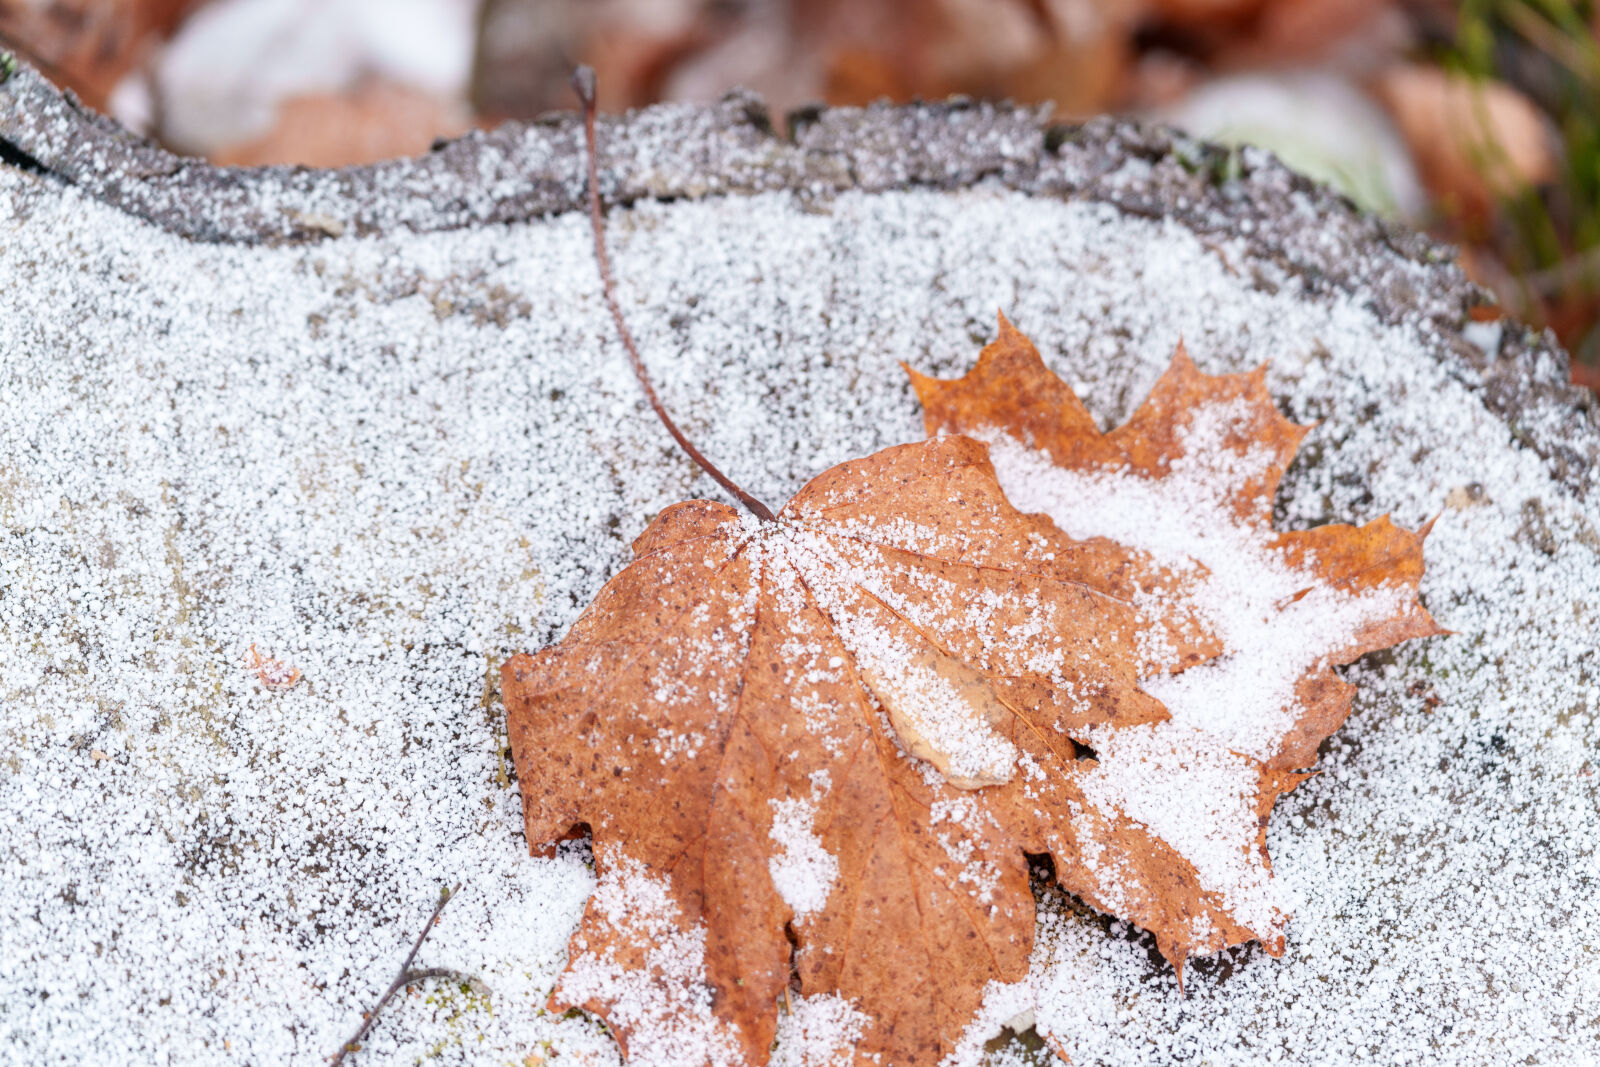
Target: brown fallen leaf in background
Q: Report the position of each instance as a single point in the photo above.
(88, 45)
(821, 746)
(372, 122)
(801, 52)
(1475, 143)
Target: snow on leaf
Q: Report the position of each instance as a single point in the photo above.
(1189, 480)
(815, 751)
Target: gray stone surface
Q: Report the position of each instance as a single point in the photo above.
(526, 171)
(373, 421)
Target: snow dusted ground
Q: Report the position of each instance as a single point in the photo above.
(391, 461)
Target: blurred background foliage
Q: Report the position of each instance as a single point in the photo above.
(1478, 120)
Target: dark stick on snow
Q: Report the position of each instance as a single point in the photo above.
(583, 85)
(403, 979)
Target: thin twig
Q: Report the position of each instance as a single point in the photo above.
(403, 979)
(583, 85)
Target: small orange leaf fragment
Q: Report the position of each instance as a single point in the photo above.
(273, 673)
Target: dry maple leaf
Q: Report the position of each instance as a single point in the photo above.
(827, 741)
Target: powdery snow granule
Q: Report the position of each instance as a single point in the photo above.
(391, 461)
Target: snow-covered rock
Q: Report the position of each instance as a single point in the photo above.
(376, 425)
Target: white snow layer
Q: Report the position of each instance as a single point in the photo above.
(665, 1005)
(389, 462)
(804, 871)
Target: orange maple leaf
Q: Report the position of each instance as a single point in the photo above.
(817, 748)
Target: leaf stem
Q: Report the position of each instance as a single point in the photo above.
(403, 979)
(583, 83)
